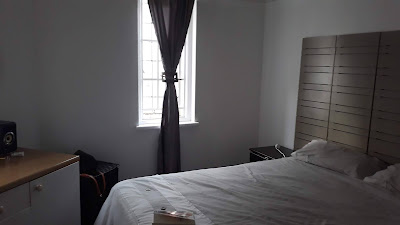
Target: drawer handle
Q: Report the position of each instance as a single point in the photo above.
(39, 187)
(1, 209)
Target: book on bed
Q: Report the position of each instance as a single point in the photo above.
(164, 217)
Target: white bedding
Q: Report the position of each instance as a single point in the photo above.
(283, 191)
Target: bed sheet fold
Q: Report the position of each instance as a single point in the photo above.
(283, 191)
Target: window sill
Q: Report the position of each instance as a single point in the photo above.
(157, 126)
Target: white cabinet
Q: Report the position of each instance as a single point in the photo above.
(23, 217)
(14, 201)
(55, 197)
(52, 199)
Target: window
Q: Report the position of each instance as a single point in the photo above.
(151, 87)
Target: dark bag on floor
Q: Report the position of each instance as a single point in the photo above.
(96, 183)
(87, 163)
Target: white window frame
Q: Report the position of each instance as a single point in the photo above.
(190, 70)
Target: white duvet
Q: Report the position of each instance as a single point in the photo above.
(283, 191)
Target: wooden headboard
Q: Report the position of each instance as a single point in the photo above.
(349, 93)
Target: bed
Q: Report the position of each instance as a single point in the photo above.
(349, 95)
(283, 191)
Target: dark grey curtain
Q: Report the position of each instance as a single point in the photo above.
(171, 20)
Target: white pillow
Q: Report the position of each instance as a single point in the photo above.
(389, 178)
(340, 159)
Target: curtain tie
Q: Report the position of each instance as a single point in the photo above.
(170, 77)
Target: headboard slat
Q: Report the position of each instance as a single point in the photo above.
(315, 89)
(349, 93)
(385, 124)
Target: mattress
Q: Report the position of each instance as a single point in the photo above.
(282, 191)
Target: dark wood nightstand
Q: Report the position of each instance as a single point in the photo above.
(268, 153)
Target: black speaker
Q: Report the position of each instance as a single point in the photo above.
(8, 137)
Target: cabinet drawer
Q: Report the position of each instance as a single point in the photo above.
(14, 201)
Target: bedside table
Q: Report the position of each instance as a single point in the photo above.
(268, 153)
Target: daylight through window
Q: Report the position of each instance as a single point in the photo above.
(151, 87)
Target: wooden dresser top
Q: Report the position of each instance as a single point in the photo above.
(15, 171)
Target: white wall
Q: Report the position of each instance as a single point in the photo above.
(18, 93)
(229, 64)
(287, 22)
(85, 69)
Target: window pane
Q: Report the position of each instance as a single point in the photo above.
(181, 66)
(177, 93)
(160, 60)
(146, 18)
(146, 49)
(158, 114)
(181, 91)
(148, 32)
(150, 50)
(160, 102)
(151, 114)
(147, 103)
(148, 86)
(160, 67)
(178, 70)
(149, 69)
(181, 112)
(153, 88)
(161, 90)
